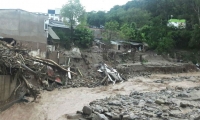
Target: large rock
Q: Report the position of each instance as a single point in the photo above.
(115, 102)
(116, 117)
(97, 116)
(160, 101)
(98, 108)
(133, 117)
(87, 110)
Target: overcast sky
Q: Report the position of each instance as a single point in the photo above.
(44, 5)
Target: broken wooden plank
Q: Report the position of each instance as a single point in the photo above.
(80, 72)
(69, 74)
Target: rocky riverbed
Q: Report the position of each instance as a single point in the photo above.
(136, 98)
(167, 104)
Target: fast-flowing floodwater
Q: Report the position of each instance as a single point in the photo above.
(53, 105)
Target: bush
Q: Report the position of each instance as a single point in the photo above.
(64, 36)
(165, 44)
(83, 37)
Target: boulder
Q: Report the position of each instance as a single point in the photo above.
(87, 110)
(115, 102)
(159, 101)
(97, 116)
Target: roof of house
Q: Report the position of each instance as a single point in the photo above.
(53, 34)
(59, 24)
(116, 43)
(125, 42)
(177, 20)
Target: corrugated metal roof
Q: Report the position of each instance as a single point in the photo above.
(116, 43)
(53, 34)
(53, 23)
(125, 42)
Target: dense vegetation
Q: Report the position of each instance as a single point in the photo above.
(146, 21)
(80, 35)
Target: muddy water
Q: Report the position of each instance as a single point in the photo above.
(53, 105)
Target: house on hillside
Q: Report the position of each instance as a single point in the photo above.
(125, 45)
(55, 28)
(53, 39)
(25, 28)
(177, 23)
(54, 22)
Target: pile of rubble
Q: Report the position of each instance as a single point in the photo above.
(102, 74)
(92, 71)
(167, 104)
(35, 73)
(32, 73)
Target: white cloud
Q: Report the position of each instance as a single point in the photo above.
(44, 5)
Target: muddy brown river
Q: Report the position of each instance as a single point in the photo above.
(53, 105)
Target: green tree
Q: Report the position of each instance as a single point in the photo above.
(64, 35)
(83, 37)
(111, 30)
(151, 18)
(128, 31)
(196, 8)
(73, 11)
(165, 44)
(96, 18)
(115, 14)
(195, 40)
(139, 16)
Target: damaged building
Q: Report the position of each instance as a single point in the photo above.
(25, 28)
(124, 45)
(25, 38)
(54, 41)
(20, 28)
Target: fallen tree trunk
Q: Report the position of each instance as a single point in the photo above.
(52, 63)
(27, 68)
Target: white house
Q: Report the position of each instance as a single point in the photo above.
(177, 23)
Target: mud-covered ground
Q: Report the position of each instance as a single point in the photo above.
(56, 104)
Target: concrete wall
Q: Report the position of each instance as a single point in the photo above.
(115, 47)
(22, 25)
(25, 27)
(54, 56)
(7, 86)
